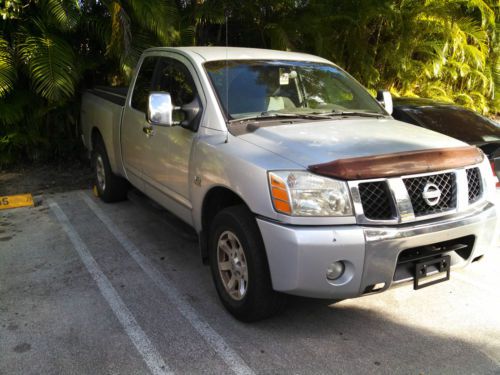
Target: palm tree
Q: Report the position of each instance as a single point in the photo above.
(440, 49)
(47, 49)
(51, 49)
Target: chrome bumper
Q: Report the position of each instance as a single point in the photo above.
(299, 256)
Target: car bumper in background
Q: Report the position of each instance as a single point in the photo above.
(299, 256)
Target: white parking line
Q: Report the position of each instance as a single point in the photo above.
(216, 341)
(142, 343)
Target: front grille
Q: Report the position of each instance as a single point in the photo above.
(393, 200)
(474, 184)
(375, 198)
(445, 182)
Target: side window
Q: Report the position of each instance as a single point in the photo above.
(174, 77)
(143, 84)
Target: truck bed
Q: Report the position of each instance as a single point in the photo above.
(117, 95)
(102, 109)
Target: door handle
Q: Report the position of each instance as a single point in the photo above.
(148, 130)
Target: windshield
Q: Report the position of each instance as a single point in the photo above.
(251, 88)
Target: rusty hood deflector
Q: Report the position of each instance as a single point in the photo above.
(400, 163)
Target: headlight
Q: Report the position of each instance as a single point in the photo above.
(299, 193)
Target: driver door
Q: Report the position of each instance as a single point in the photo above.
(166, 162)
(134, 141)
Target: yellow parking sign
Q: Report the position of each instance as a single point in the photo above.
(14, 201)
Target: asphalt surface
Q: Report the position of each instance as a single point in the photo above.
(91, 288)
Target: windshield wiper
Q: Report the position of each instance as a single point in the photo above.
(268, 115)
(355, 113)
(276, 115)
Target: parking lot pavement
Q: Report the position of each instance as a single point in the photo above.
(92, 288)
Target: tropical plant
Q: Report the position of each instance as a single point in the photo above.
(439, 49)
(50, 50)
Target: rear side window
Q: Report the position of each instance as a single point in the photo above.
(143, 83)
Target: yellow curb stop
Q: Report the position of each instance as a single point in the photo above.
(15, 201)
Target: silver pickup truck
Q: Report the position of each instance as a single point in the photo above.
(295, 178)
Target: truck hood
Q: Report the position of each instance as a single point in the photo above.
(323, 141)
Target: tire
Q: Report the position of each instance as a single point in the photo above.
(110, 187)
(236, 229)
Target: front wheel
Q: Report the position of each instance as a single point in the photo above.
(239, 266)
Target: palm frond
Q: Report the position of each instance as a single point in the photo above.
(474, 56)
(437, 91)
(487, 14)
(141, 41)
(278, 36)
(480, 102)
(479, 80)
(98, 28)
(51, 65)
(65, 13)
(8, 72)
(188, 35)
(474, 33)
(460, 68)
(464, 99)
(158, 17)
(210, 12)
(13, 107)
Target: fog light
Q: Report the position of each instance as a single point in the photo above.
(335, 270)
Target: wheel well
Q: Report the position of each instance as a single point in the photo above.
(95, 135)
(216, 200)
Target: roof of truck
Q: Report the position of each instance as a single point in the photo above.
(240, 53)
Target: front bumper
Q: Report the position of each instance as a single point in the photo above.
(299, 256)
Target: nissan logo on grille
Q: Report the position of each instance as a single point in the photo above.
(431, 194)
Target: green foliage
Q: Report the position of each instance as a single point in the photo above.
(8, 71)
(65, 14)
(439, 49)
(50, 50)
(135, 25)
(11, 9)
(51, 65)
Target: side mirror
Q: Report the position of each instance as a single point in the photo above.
(160, 109)
(385, 98)
(191, 114)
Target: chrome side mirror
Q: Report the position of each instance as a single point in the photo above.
(385, 99)
(160, 109)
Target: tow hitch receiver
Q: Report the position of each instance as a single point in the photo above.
(426, 270)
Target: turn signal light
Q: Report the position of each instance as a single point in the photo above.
(279, 194)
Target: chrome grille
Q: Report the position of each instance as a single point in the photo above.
(474, 184)
(403, 199)
(445, 183)
(375, 197)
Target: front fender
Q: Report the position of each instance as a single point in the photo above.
(223, 160)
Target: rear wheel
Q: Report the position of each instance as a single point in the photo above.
(110, 187)
(239, 266)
